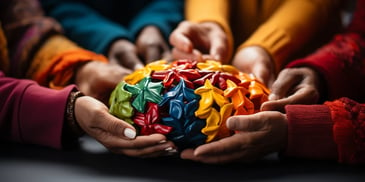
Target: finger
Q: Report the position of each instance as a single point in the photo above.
(160, 149)
(215, 154)
(130, 60)
(179, 38)
(152, 53)
(253, 122)
(195, 55)
(117, 143)
(283, 85)
(235, 156)
(262, 74)
(222, 146)
(113, 126)
(301, 96)
(219, 50)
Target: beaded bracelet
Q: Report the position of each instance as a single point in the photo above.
(71, 123)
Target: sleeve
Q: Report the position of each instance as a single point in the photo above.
(24, 32)
(38, 50)
(22, 113)
(211, 11)
(55, 63)
(84, 25)
(349, 130)
(333, 131)
(340, 63)
(164, 14)
(310, 133)
(291, 26)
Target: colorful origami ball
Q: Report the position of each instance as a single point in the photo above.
(187, 101)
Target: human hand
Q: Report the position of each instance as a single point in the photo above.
(293, 86)
(200, 41)
(256, 60)
(125, 53)
(256, 136)
(98, 79)
(115, 134)
(152, 46)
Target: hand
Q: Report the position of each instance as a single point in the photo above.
(99, 79)
(256, 136)
(115, 134)
(293, 86)
(152, 46)
(125, 53)
(200, 41)
(256, 60)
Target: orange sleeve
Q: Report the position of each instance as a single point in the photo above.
(292, 25)
(211, 11)
(4, 59)
(55, 63)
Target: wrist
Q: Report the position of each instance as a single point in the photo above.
(72, 129)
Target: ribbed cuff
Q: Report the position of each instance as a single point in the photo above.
(310, 133)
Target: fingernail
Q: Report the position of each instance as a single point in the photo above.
(129, 133)
(273, 97)
(162, 141)
(170, 150)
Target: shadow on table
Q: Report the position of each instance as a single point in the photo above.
(94, 159)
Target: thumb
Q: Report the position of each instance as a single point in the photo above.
(118, 127)
(245, 122)
(275, 105)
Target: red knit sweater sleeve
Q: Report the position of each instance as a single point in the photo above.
(341, 62)
(310, 132)
(349, 130)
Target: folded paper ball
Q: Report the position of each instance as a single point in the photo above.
(187, 101)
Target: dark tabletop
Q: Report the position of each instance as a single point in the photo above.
(92, 162)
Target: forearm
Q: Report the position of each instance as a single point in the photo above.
(339, 63)
(32, 114)
(217, 11)
(293, 25)
(55, 63)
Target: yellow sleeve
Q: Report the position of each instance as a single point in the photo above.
(4, 57)
(211, 11)
(55, 62)
(292, 26)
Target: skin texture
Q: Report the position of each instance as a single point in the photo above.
(124, 53)
(150, 46)
(199, 41)
(262, 133)
(94, 118)
(256, 135)
(98, 79)
(294, 86)
(256, 60)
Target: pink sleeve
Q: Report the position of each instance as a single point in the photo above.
(30, 113)
(310, 132)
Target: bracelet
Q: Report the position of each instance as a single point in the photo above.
(73, 127)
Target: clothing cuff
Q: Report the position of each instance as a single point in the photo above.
(41, 115)
(310, 133)
(57, 60)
